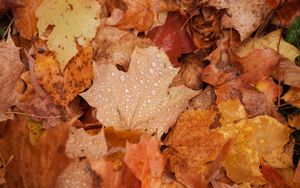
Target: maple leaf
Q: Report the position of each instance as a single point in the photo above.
(24, 18)
(146, 161)
(288, 12)
(139, 14)
(243, 15)
(254, 140)
(32, 163)
(191, 145)
(5, 5)
(140, 98)
(172, 36)
(81, 144)
(11, 68)
(73, 22)
(271, 40)
(64, 87)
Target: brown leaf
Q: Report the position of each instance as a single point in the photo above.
(191, 145)
(5, 5)
(24, 18)
(293, 97)
(33, 165)
(272, 176)
(64, 87)
(288, 12)
(205, 100)
(146, 161)
(11, 68)
(289, 73)
(139, 14)
(111, 178)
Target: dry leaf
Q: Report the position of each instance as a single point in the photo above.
(11, 68)
(140, 98)
(231, 111)
(205, 100)
(173, 37)
(288, 12)
(271, 40)
(111, 178)
(259, 138)
(5, 5)
(293, 97)
(139, 14)
(73, 22)
(191, 145)
(145, 161)
(294, 120)
(33, 165)
(81, 144)
(289, 73)
(24, 18)
(77, 76)
(115, 46)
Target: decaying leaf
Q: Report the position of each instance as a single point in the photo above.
(35, 131)
(25, 20)
(64, 87)
(72, 22)
(255, 139)
(115, 46)
(288, 12)
(289, 73)
(5, 5)
(293, 97)
(33, 165)
(191, 145)
(140, 98)
(11, 68)
(173, 37)
(139, 14)
(272, 40)
(81, 144)
(205, 100)
(146, 161)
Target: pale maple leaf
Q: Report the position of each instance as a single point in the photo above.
(11, 68)
(140, 98)
(72, 22)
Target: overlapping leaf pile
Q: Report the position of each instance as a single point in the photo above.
(148, 93)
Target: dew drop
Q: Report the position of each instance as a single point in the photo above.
(113, 74)
(141, 72)
(108, 89)
(122, 78)
(126, 91)
(160, 73)
(142, 81)
(137, 62)
(153, 64)
(151, 71)
(153, 92)
(148, 100)
(155, 84)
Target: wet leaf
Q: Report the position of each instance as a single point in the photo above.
(259, 138)
(154, 107)
(73, 22)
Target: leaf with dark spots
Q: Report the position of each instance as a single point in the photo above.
(173, 37)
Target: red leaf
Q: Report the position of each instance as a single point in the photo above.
(173, 37)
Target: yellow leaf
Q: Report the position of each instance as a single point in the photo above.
(270, 40)
(262, 137)
(35, 131)
(72, 22)
(231, 111)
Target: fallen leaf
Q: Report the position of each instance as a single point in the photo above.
(3, 169)
(73, 22)
(272, 176)
(243, 15)
(115, 46)
(173, 37)
(146, 161)
(255, 140)
(140, 98)
(205, 100)
(288, 72)
(33, 165)
(294, 120)
(191, 145)
(35, 131)
(11, 68)
(64, 87)
(292, 97)
(5, 5)
(81, 144)
(24, 18)
(271, 40)
(112, 178)
(76, 174)
(288, 12)
(139, 14)
(231, 111)
(119, 138)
